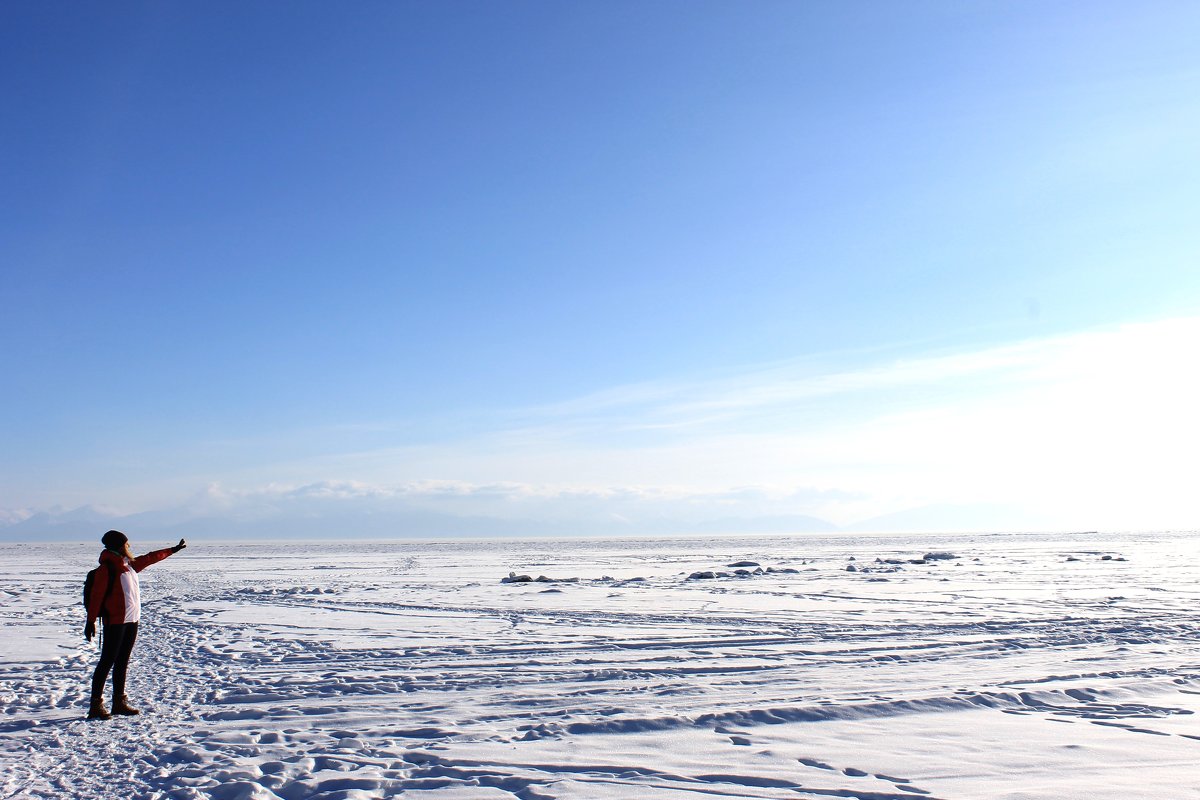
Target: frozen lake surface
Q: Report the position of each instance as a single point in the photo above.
(1012, 666)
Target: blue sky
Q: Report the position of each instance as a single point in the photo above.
(601, 265)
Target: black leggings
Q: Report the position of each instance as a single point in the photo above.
(118, 644)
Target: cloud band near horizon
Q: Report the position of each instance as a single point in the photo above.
(1092, 430)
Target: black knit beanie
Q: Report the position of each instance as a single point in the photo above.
(114, 539)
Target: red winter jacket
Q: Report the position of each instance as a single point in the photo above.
(125, 600)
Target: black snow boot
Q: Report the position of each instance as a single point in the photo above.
(97, 710)
(122, 708)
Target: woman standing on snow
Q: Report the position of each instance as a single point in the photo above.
(116, 599)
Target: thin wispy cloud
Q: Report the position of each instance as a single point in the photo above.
(1094, 357)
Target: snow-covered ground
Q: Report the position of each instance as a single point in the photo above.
(1018, 666)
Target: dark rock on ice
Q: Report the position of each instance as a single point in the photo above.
(515, 578)
(743, 564)
(704, 575)
(939, 556)
(851, 568)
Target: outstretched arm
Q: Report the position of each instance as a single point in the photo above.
(154, 556)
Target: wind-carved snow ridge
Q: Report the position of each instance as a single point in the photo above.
(982, 667)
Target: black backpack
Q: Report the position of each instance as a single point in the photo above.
(91, 579)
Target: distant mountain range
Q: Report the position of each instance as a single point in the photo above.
(400, 521)
(87, 522)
